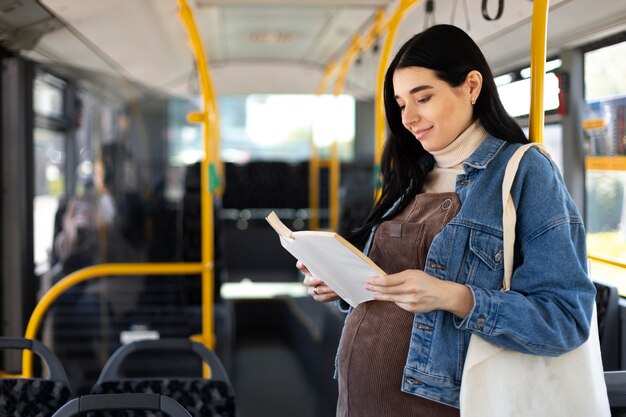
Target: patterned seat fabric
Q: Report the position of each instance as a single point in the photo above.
(201, 397)
(31, 397)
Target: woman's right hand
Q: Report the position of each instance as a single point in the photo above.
(316, 287)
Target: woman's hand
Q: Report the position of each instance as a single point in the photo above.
(416, 291)
(316, 287)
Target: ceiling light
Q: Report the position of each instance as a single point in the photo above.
(271, 38)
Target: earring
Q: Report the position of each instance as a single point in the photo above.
(472, 100)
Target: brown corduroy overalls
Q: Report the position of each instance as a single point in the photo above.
(375, 340)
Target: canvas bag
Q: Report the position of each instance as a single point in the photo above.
(498, 382)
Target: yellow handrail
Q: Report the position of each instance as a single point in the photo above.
(346, 62)
(334, 164)
(379, 108)
(328, 72)
(314, 160)
(359, 44)
(208, 117)
(314, 188)
(86, 274)
(334, 181)
(537, 68)
(606, 260)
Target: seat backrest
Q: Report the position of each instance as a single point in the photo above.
(199, 396)
(112, 369)
(616, 389)
(30, 397)
(129, 402)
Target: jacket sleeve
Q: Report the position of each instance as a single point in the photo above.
(549, 307)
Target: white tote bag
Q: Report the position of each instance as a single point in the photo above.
(498, 382)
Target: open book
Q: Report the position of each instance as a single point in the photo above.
(331, 258)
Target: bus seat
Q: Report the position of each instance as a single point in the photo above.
(356, 196)
(200, 396)
(616, 388)
(129, 402)
(607, 302)
(34, 397)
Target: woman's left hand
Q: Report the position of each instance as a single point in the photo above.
(416, 291)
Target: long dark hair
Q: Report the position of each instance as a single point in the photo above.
(451, 54)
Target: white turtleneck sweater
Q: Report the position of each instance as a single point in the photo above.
(449, 160)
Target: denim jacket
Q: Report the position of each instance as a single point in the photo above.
(548, 309)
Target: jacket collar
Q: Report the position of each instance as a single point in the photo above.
(485, 153)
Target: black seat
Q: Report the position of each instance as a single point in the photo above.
(127, 402)
(200, 396)
(616, 388)
(34, 397)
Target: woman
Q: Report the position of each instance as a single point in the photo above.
(437, 232)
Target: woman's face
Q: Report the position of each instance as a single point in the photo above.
(433, 111)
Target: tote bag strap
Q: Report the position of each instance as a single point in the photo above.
(508, 210)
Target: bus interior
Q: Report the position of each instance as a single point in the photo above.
(105, 113)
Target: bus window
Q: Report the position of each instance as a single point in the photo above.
(605, 140)
(281, 126)
(49, 163)
(514, 89)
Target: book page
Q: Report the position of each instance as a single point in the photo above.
(332, 259)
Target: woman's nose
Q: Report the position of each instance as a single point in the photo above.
(409, 116)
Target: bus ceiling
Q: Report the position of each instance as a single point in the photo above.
(296, 39)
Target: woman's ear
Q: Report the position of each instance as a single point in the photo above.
(474, 81)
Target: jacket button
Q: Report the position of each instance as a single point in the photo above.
(446, 204)
(498, 256)
(480, 323)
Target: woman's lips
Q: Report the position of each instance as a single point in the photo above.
(419, 134)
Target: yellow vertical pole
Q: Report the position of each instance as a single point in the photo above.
(314, 161)
(334, 164)
(208, 118)
(334, 180)
(379, 107)
(537, 68)
(314, 188)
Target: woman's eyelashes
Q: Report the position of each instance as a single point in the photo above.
(417, 100)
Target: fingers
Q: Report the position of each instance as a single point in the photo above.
(311, 281)
(390, 284)
(322, 293)
(316, 288)
(412, 290)
(387, 280)
(302, 268)
(320, 290)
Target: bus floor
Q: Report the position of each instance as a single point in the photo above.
(282, 358)
(270, 382)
